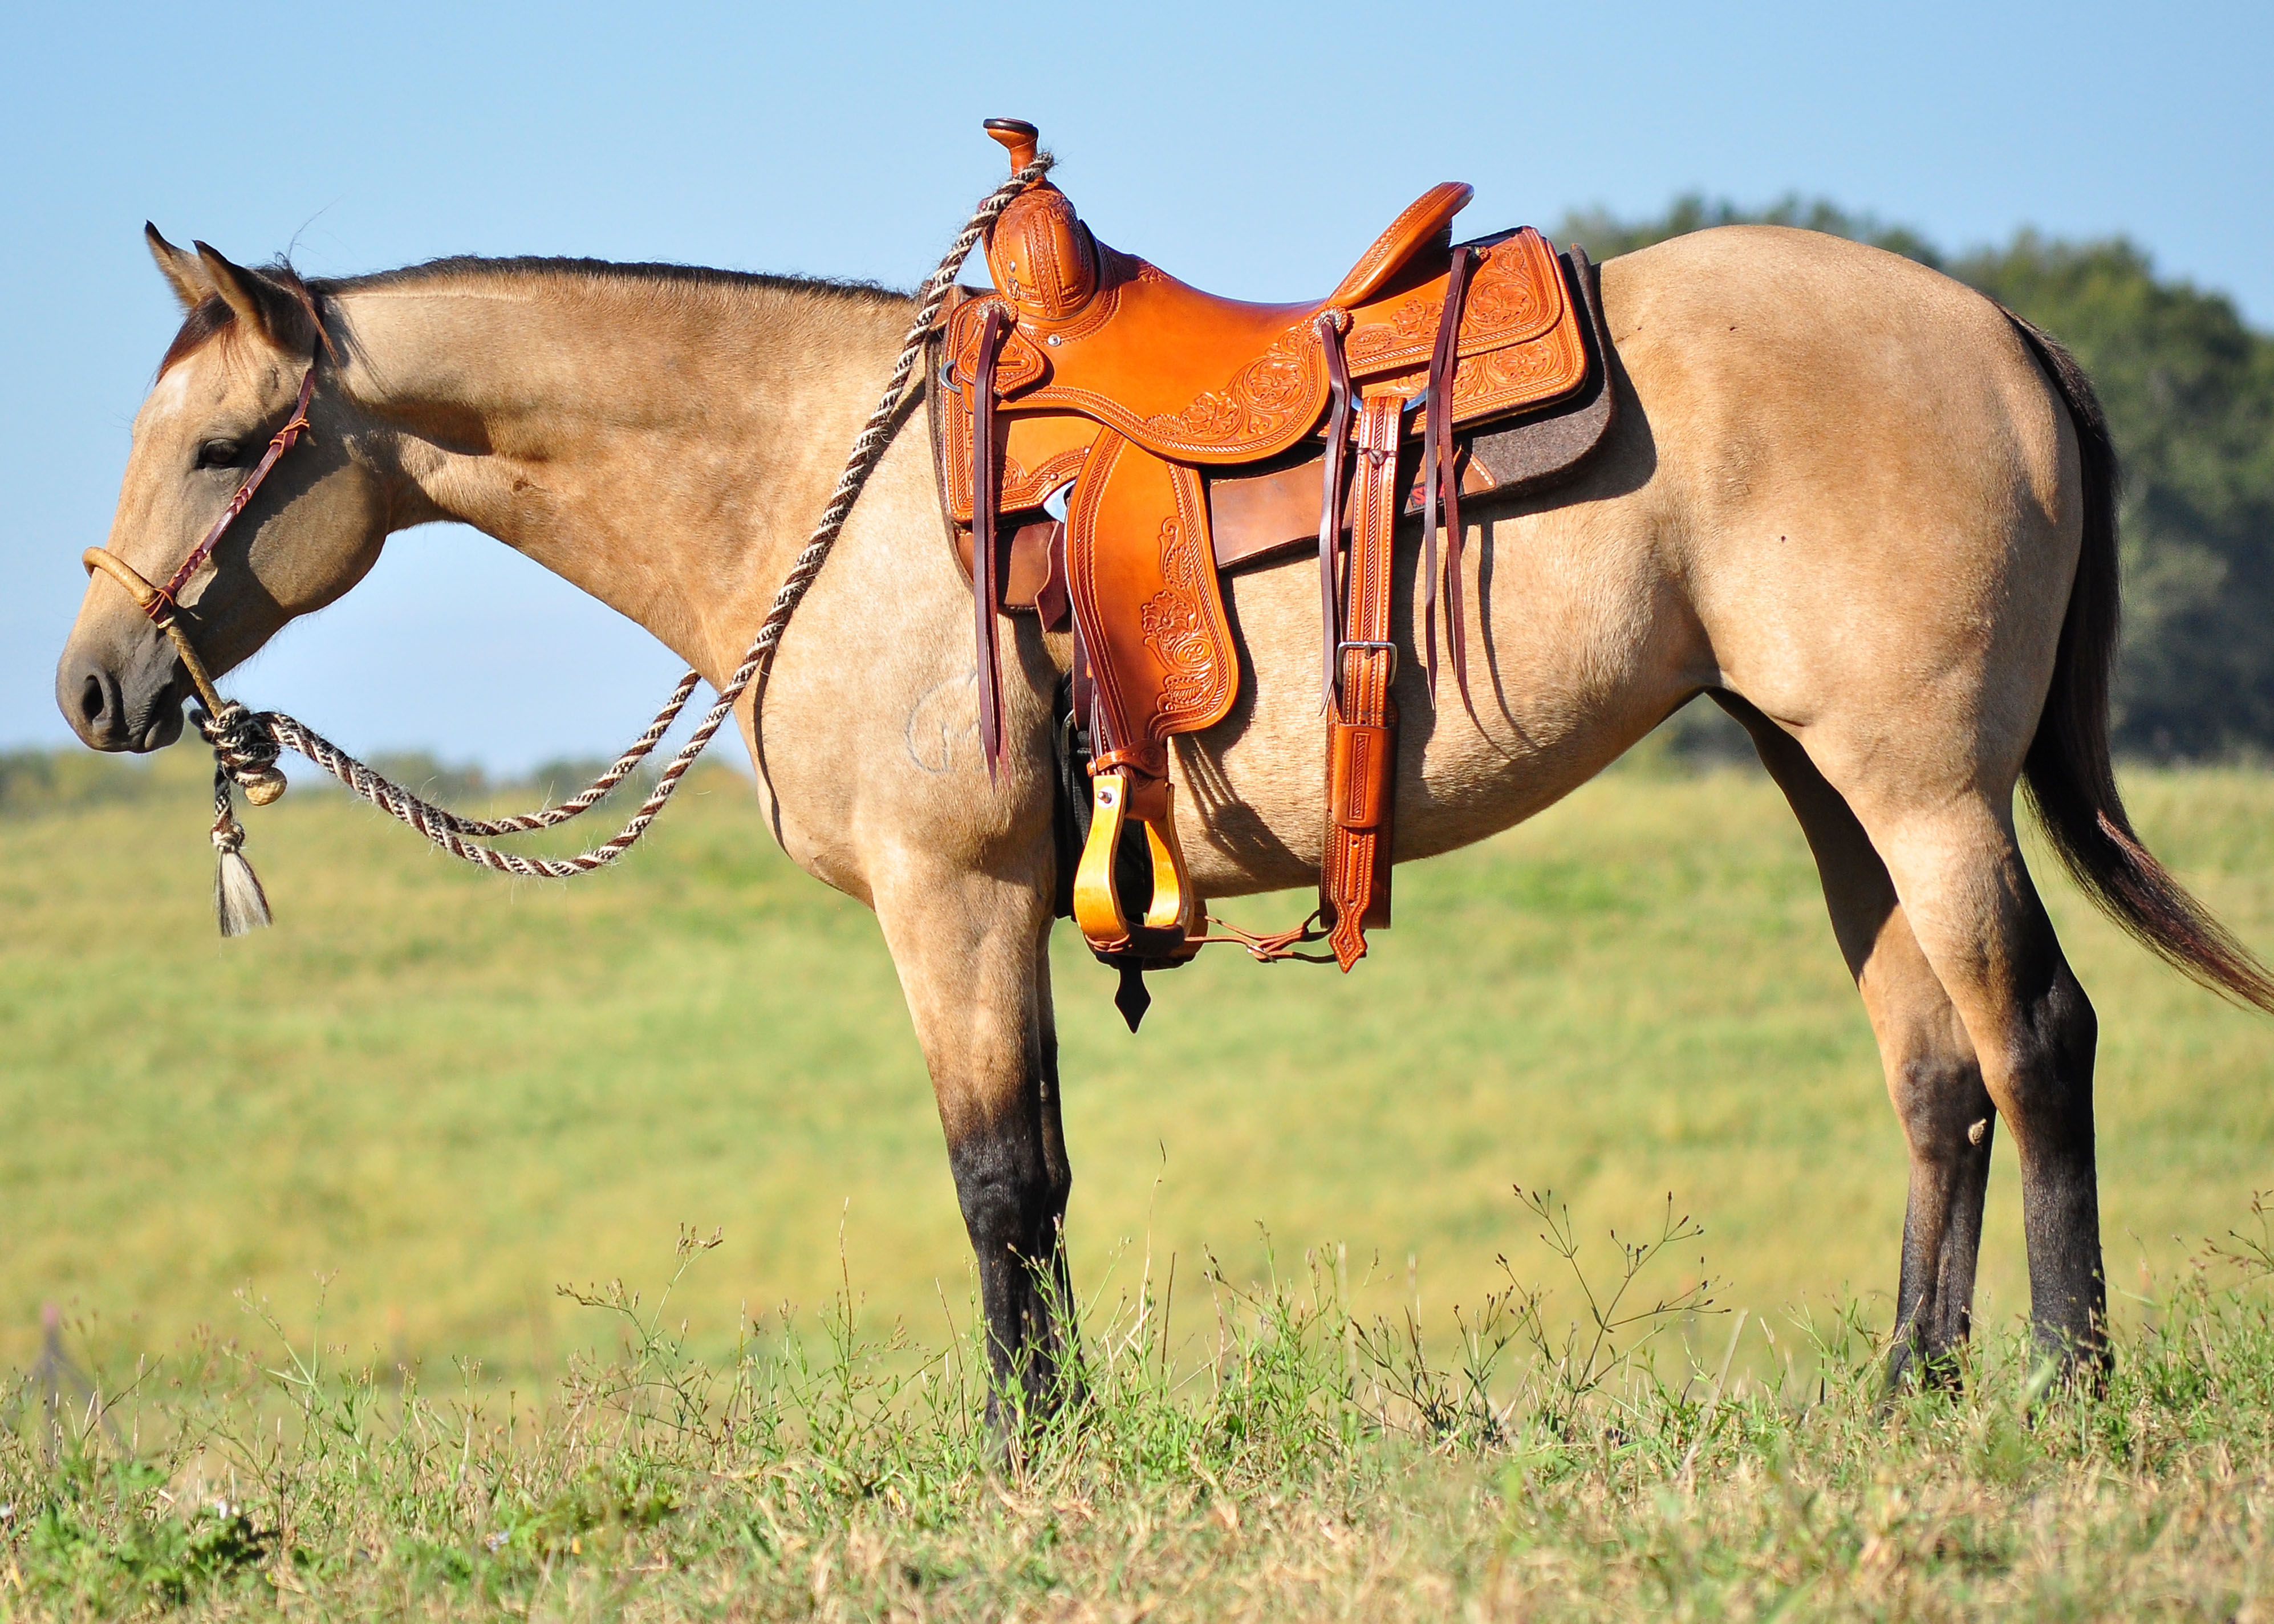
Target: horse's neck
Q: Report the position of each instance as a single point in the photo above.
(663, 447)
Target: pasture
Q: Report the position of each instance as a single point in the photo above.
(396, 1122)
(445, 1094)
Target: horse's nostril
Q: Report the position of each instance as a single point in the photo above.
(91, 700)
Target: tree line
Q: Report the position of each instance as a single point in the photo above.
(2189, 390)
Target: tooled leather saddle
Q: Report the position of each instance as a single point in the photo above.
(1114, 439)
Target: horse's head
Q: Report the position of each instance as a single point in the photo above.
(226, 387)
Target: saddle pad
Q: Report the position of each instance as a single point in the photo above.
(1201, 379)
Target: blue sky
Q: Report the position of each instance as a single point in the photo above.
(1251, 149)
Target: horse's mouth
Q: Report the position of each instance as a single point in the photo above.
(163, 726)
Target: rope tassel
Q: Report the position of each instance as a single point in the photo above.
(239, 903)
(240, 756)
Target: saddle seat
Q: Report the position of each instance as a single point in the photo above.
(1102, 337)
(1184, 373)
(1090, 368)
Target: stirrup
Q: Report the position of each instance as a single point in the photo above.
(1174, 921)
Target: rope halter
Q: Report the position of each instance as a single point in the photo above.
(247, 743)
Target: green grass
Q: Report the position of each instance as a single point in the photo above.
(384, 1133)
(1290, 1461)
(445, 1094)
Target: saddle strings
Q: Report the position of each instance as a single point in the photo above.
(247, 743)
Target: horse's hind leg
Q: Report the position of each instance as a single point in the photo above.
(1933, 1075)
(973, 956)
(1969, 898)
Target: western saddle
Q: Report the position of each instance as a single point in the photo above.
(1114, 438)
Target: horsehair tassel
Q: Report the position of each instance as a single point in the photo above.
(239, 901)
(242, 755)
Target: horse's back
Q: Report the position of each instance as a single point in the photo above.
(1841, 361)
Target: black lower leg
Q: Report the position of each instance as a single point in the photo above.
(1013, 1209)
(1059, 1173)
(1942, 1225)
(2051, 1116)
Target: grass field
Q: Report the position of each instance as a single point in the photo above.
(373, 1141)
(1296, 1463)
(444, 1095)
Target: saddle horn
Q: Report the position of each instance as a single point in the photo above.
(1040, 255)
(1019, 139)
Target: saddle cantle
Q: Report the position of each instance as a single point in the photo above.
(1188, 434)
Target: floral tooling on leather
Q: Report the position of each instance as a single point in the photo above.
(1177, 630)
(1263, 399)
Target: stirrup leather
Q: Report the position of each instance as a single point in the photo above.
(1174, 923)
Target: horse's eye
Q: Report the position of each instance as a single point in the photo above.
(219, 454)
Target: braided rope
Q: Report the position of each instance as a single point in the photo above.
(245, 744)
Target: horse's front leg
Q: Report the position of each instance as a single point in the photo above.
(972, 949)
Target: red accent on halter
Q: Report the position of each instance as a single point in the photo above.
(161, 607)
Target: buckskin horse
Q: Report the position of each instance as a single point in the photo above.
(1866, 509)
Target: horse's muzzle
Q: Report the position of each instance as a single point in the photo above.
(129, 703)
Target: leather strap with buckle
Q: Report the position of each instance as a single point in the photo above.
(1362, 739)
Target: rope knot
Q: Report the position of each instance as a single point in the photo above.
(244, 746)
(236, 737)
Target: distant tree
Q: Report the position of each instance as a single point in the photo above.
(36, 781)
(1605, 235)
(424, 774)
(2189, 390)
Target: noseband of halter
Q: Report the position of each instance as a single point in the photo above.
(161, 603)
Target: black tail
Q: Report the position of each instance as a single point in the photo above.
(2071, 781)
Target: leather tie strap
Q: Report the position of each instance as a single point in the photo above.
(1437, 474)
(1330, 325)
(983, 539)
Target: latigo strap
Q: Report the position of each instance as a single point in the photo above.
(983, 543)
(1335, 468)
(1362, 742)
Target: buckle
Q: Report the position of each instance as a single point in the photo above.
(1346, 646)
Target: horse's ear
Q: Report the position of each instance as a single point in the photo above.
(259, 303)
(182, 271)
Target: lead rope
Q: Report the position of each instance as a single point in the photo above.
(247, 743)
